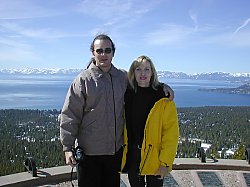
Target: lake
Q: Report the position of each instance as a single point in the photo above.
(49, 93)
(188, 95)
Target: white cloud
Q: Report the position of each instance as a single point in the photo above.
(242, 26)
(242, 39)
(14, 49)
(194, 18)
(42, 33)
(15, 55)
(14, 43)
(169, 34)
(179, 35)
(115, 12)
(104, 9)
(25, 9)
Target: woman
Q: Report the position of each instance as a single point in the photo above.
(152, 127)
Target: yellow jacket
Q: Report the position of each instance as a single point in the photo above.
(160, 141)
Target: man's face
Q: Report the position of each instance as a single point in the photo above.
(103, 54)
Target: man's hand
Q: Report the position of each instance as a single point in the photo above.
(168, 91)
(162, 171)
(70, 160)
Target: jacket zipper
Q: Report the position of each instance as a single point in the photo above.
(114, 107)
(145, 158)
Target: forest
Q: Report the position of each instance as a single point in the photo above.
(35, 133)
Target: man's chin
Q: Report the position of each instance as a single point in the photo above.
(105, 65)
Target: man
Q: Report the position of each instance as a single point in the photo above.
(93, 114)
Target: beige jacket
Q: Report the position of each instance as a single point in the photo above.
(93, 111)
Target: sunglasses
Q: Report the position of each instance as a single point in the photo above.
(101, 51)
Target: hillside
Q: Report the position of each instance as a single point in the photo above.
(243, 89)
(36, 133)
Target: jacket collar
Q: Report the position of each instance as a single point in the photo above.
(98, 73)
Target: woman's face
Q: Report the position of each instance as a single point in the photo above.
(103, 54)
(143, 74)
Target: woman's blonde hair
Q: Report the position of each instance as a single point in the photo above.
(131, 74)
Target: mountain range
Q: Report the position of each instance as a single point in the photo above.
(235, 77)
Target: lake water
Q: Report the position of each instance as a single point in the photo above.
(49, 93)
(188, 95)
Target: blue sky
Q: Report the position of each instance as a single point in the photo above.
(191, 36)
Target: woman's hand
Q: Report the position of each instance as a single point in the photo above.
(70, 160)
(162, 171)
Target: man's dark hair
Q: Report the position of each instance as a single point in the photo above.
(102, 37)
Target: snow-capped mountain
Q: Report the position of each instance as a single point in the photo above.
(39, 71)
(242, 77)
